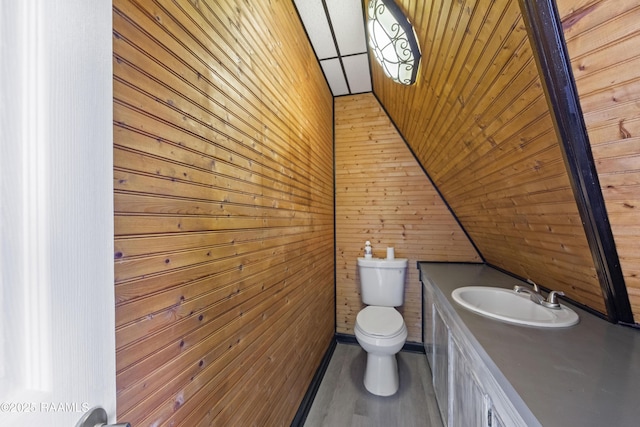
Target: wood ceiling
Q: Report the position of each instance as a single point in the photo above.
(479, 122)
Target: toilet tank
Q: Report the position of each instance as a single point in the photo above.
(382, 281)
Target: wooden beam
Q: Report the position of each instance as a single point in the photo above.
(550, 51)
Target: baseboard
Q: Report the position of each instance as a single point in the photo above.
(346, 339)
(414, 347)
(307, 400)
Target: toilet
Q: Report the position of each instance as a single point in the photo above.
(380, 329)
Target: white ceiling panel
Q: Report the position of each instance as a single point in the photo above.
(348, 25)
(315, 22)
(356, 68)
(336, 30)
(333, 72)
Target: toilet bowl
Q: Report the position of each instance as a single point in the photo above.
(381, 332)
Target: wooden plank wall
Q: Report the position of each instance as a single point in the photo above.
(603, 39)
(478, 121)
(224, 242)
(382, 195)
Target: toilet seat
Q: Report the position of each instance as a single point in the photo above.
(380, 322)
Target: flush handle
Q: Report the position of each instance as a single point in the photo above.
(97, 417)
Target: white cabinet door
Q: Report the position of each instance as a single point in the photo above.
(440, 367)
(468, 400)
(57, 333)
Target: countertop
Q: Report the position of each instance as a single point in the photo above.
(584, 375)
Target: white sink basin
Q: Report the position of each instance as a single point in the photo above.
(511, 307)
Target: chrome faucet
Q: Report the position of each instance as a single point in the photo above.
(536, 296)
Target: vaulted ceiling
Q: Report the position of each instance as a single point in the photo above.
(479, 122)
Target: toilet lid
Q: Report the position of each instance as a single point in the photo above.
(380, 321)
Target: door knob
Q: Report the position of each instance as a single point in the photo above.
(97, 417)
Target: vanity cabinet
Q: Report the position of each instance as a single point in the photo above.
(468, 400)
(491, 373)
(466, 394)
(461, 400)
(440, 364)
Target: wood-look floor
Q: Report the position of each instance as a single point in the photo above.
(342, 399)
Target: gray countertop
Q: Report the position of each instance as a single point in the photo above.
(584, 375)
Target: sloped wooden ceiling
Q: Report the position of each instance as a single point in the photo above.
(478, 121)
(603, 41)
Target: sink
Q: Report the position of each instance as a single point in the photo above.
(511, 307)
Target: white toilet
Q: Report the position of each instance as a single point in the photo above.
(380, 328)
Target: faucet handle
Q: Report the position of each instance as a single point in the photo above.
(534, 284)
(552, 300)
(552, 296)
